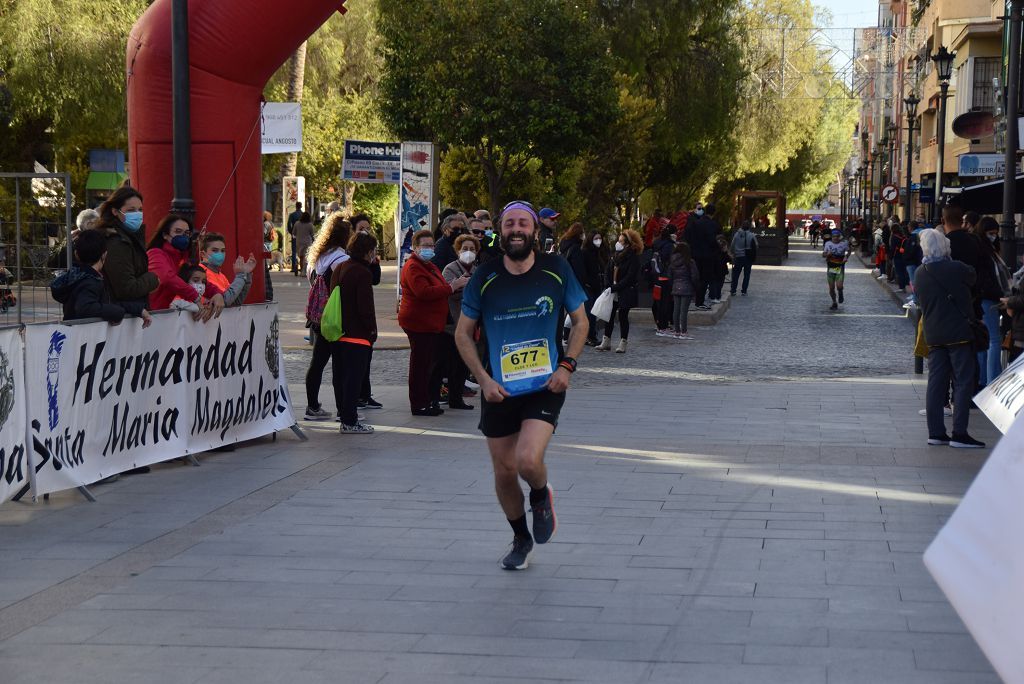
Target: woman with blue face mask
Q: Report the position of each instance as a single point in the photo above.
(422, 314)
(168, 252)
(126, 268)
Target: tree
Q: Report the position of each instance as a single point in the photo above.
(63, 62)
(296, 76)
(501, 77)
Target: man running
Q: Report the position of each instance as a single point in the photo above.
(519, 301)
(836, 253)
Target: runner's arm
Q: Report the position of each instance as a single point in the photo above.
(491, 390)
(559, 380)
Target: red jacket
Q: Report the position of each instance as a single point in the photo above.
(425, 293)
(165, 262)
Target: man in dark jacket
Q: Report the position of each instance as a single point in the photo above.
(452, 227)
(964, 246)
(701, 232)
(82, 290)
(943, 288)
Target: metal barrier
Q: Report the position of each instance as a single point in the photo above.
(35, 222)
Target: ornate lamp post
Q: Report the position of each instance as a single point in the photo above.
(864, 180)
(854, 189)
(944, 71)
(894, 131)
(911, 102)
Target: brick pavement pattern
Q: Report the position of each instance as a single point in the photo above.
(716, 524)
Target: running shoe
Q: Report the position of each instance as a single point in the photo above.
(834, 306)
(518, 557)
(544, 521)
(938, 440)
(663, 332)
(684, 336)
(370, 403)
(965, 441)
(317, 413)
(357, 429)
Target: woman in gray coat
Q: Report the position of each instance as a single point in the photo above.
(685, 281)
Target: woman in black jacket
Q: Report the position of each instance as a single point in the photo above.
(623, 276)
(595, 261)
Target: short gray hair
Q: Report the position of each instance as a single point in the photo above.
(86, 217)
(934, 244)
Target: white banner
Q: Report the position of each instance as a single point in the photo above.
(1003, 399)
(978, 561)
(106, 399)
(282, 127)
(14, 464)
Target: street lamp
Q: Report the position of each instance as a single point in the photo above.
(864, 179)
(944, 71)
(911, 102)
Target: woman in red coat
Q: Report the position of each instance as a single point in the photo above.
(167, 252)
(422, 315)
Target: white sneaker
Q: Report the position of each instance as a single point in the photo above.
(684, 336)
(316, 414)
(663, 333)
(357, 429)
(946, 411)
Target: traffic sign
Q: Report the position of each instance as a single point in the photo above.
(890, 193)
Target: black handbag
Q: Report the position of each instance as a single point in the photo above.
(979, 332)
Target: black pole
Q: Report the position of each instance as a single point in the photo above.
(1008, 226)
(182, 203)
(940, 140)
(910, 167)
(864, 195)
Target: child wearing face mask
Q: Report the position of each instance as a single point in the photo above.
(195, 276)
(212, 254)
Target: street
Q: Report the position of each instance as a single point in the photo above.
(748, 506)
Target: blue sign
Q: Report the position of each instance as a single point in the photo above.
(372, 162)
(926, 196)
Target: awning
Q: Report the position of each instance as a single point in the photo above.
(987, 198)
(105, 180)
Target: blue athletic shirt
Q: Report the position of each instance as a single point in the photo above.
(522, 318)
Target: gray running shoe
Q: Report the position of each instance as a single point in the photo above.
(317, 414)
(357, 429)
(518, 558)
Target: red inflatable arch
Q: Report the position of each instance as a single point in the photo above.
(235, 46)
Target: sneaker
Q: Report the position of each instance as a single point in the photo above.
(881, 277)
(370, 403)
(428, 411)
(965, 441)
(472, 385)
(357, 429)
(833, 307)
(704, 307)
(663, 333)
(744, 294)
(544, 521)
(518, 557)
(684, 336)
(941, 440)
(946, 411)
(317, 414)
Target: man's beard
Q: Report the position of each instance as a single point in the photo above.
(519, 253)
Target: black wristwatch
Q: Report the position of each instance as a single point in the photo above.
(568, 363)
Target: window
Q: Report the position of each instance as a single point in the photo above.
(985, 69)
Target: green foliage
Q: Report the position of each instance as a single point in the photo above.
(514, 80)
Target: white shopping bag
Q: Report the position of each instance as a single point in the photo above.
(602, 308)
(978, 559)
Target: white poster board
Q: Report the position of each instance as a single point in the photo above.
(281, 129)
(978, 561)
(15, 470)
(108, 398)
(1002, 400)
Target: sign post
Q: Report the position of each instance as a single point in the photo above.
(890, 193)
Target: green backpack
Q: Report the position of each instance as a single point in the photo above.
(330, 322)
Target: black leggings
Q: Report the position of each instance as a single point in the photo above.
(609, 327)
(322, 352)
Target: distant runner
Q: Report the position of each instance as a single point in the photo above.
(836, 253)
(520, 300)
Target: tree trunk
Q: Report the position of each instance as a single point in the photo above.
(348, 193)
(297, 68)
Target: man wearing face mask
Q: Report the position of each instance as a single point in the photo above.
(701, 233)
(520, 301)
(126, 267)
(451, 228)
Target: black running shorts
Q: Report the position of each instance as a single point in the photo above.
(506, 417)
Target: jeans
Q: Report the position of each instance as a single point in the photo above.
(741, 264)
(322, 352)
(911, 270)
(609, 327)
(424, 364)
(956, 362)
(355, 361)
(990, 362)
(680, 310)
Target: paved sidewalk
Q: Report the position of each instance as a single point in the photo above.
(710, 530)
